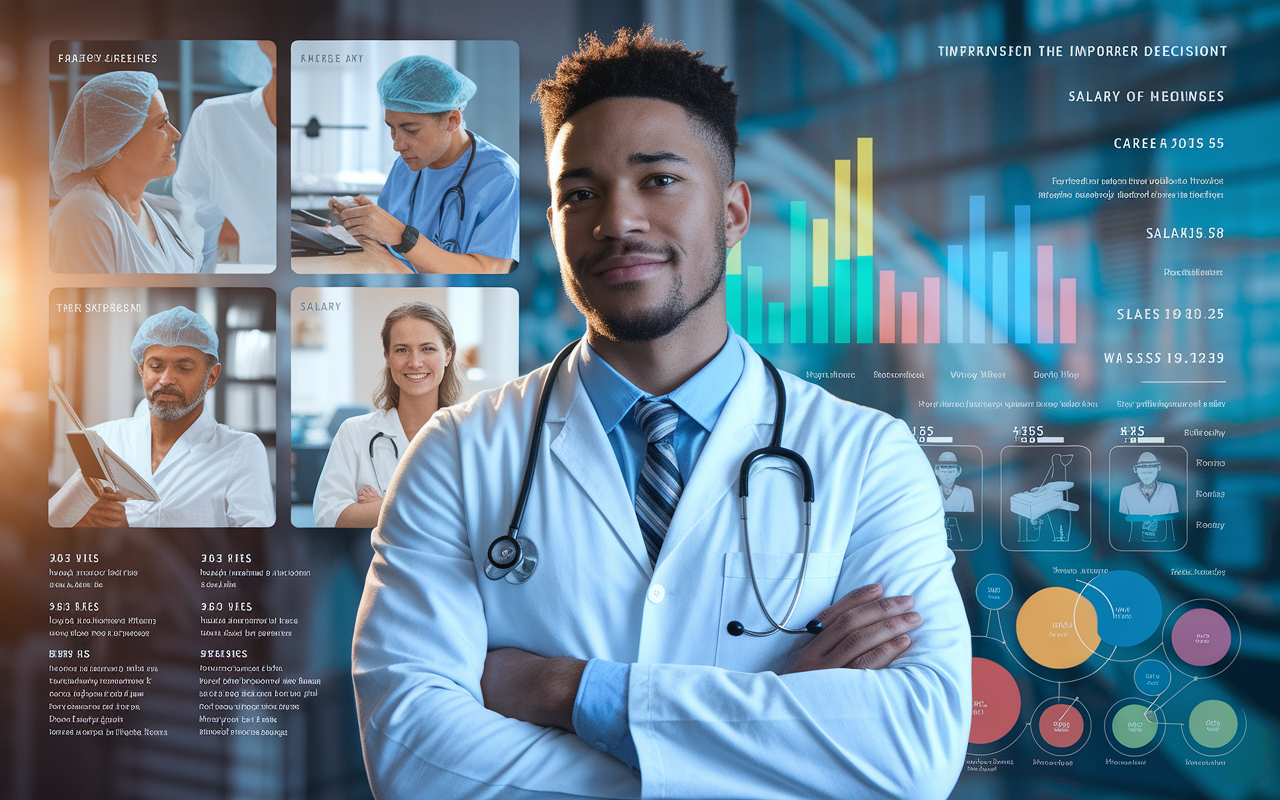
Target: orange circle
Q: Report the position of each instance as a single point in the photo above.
(1058, 628)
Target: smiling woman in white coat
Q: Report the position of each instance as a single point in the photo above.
(421, 376)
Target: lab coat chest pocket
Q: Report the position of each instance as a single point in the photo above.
(776, 576)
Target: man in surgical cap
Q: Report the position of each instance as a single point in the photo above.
(452, 200)
(206, 474)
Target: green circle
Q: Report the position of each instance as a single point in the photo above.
(1213, 723)
(1131, 728)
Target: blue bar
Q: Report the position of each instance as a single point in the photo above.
(799, 289)
(977, 269)
(819, 315)
(755, 305)
(1022, 274)
(733, 301)
(955, 294)
(775, 323)
(844, 301)
(1000, 297)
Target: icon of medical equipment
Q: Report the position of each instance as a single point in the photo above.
(1046, 508)
(953, 529)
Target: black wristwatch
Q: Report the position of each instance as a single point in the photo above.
(407, 240)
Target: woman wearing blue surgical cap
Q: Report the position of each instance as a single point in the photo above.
(452, 200)
(116, 139)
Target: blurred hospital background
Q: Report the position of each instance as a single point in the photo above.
(90, 361)
(337, 361)
(339, 143)
(188, 72)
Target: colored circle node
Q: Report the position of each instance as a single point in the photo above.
(1058, 628)
(1131, 727)
(1213, 723)
(1061, 725)
(1152, 676)
(1201, 637)
(1128, 607)
(994, 592)
(996, 702)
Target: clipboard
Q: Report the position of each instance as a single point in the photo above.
(99, 463)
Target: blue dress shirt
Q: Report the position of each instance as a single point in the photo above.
(600, 709)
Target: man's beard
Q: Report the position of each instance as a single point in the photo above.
(650, 324)
(183, 408)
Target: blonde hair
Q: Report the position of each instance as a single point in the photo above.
(387, 395)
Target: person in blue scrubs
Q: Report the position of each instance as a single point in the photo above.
(452, 200)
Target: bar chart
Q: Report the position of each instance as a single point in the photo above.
(836, 294)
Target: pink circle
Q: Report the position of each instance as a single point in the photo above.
(996, 702)
(1201, 637)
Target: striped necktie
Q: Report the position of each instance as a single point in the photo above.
(660, 483)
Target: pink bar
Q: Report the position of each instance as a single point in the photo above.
(932, 323)
(1067, 297)
(887, 317)
(1044, 294)
(909, 327)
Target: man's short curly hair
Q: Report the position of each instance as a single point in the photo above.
(637, 64)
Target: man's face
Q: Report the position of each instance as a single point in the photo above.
(420, 139)
(175, 379)
(1147, 472)
(947, 474)
(638, 218)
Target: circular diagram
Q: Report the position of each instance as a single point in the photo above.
(994, 592)
(996, 702)
(1201, 638)
(1061, 726)
(1213, 724)
(1128, 607)
(1152, 676)
(1134, 727)
(1058, 628)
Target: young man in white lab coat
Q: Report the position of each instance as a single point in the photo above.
(468, 687)
(206, 474)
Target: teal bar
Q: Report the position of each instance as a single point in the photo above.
(865, 300)
(799, 310)
(819, 315)
(755, 305)
(844, 300)
(775, 323)
(733, 301)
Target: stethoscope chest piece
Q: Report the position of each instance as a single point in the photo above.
(511, 557)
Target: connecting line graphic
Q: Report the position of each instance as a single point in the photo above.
(1105, 659)
(1166, 702)
(1069, 705)
(1089, 585)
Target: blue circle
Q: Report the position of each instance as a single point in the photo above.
(1152, 676)
(994, 592)
(1128, 607)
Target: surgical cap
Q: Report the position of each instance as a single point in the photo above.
(176, 326)
(424, 85)
(106, 113)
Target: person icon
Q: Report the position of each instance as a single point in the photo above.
(1148, 500)
(954, 498)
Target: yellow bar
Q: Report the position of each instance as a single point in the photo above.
(865, 205)
(819, 252)
(733, 265)
(843, 218)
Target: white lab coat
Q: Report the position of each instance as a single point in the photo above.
(212, 477)
(348, 465)
(90, 232)
(709, 716)
(227, 169)
(961, 499)
(1164, 500)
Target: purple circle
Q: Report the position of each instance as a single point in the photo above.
(1201, 637)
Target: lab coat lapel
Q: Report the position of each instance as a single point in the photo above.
(192, 436)
(744, 425)
(584, 450)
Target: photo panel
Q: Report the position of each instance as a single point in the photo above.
(357, 399)
(1148, 497)
(162, 407)
(959, 472)
(403, 157)
(162, 157)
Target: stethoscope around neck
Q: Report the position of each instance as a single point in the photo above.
(450, 245)
(374, 462)
(515, 557)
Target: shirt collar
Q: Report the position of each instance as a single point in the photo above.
(701, 398)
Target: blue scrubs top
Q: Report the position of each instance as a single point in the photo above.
(490, 224)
